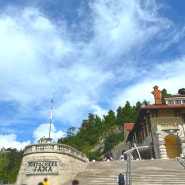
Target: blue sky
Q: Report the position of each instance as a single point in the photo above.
(93, 55)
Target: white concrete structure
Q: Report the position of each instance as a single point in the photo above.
(57, 162)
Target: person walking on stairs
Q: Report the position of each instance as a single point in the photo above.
(121, 179)
(75, 182)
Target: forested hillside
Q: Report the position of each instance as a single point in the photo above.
(97, 136)
(10, 161)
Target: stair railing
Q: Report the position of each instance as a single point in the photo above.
(181, 161)
(128, 171)
(2, 182)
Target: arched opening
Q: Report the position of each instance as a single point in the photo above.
(172, 146)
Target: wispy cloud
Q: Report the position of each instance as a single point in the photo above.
(114, 50)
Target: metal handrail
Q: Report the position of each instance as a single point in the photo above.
(5, 181)
(181, 161)
(128, 171)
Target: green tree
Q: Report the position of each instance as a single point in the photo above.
(110, 119)
(120, 115)
(15, 157)
(129, 113)
(71, 131)
(164, 93)
(91, 122)
(84, 124)
(4, 162)
(145, 102)
(111, 140)
(181, 91)
(138, 106)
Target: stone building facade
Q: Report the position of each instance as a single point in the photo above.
(160, 127)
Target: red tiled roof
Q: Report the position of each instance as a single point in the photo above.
(163, 106)
(175, 95)
(128, 126)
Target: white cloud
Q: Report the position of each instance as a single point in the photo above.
(89, 70)
(167, 76)
(43, 131)
(99, 111)
(123, 27)
(10, 141)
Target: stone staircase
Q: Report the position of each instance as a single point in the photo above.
(157, 172)
(144, 172)
(101, 173)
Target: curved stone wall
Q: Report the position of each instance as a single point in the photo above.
(58, 162)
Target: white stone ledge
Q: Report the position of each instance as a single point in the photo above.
(54, 148)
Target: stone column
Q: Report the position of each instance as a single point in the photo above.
(155, 136)
(162, 147)
(183, 148)
(182, 139)
(159, 143)
(162, 150)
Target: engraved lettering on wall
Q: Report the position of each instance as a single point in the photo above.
(42, 167)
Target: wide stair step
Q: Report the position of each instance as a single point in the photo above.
(144, 172)
(157, 172)
(101, 173)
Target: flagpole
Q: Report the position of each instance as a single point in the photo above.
(51, 116)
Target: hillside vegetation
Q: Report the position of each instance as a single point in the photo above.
(10, 161)
(96, 137)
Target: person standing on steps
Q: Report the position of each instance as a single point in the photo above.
(121, 179)
(75, 182)
(45, 181)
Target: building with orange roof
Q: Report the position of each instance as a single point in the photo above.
(127, 129)
(159, 131)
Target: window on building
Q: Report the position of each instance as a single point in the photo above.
(177, 102)
(183, 101)
(170, 102)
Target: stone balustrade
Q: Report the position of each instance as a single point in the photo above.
(55, 148)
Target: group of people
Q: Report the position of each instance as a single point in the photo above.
(45, 182)
(120, 180)
(124, 156)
